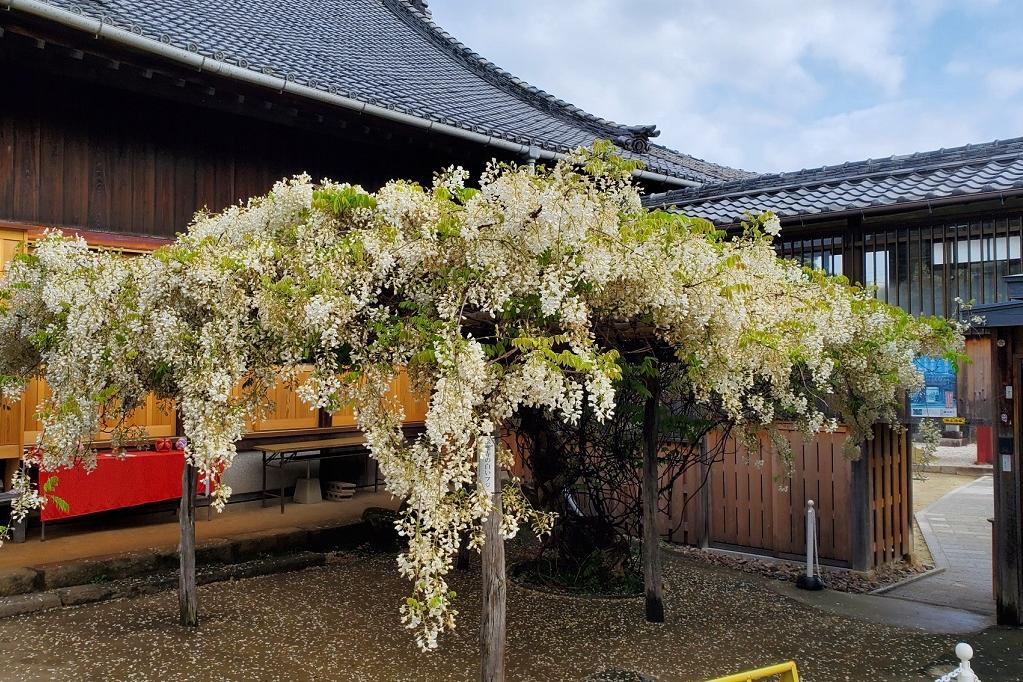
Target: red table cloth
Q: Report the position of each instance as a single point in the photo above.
(138, 478)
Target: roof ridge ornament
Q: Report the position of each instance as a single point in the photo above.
(421, 6)
(636, 138)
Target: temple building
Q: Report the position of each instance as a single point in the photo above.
(122, 118)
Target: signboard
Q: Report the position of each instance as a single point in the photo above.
(953, 420)
(938, 396)
(487, 470)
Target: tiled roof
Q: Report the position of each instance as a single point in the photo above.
(855, 186)
(386, 53)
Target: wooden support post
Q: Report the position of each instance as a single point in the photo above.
(706, 472)
(652, 579)
(188, 598)
(462, 557)
(492, 623)
(1008, 543)
(861, 532)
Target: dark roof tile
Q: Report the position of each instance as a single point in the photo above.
(385, 52)
(946, 173)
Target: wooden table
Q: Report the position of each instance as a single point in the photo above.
(281, 454)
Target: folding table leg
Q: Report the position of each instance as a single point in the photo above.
(282, 484)
(262, 491)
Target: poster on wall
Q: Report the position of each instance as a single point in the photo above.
(938, 396)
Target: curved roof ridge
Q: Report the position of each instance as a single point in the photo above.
(386, 55)
(419, 19)
(850, 171)
(728, 173)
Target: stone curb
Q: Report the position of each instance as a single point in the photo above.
(906, 581)
(64, 577)
(131, 587)
(957, 469)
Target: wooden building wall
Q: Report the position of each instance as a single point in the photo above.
(974, 382)
(752, 502)
(79, 153)
(82, 155)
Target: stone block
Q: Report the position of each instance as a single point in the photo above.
(337, 536)
(18, 581)
(248, 546)
(214, 551)
(99, 570)
(28, 603)
(277, 564)
(84, 594)
(307, 491)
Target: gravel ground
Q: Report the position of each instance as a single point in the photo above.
(956, 455)
(339, 622)
(935, 486)
(789, 571)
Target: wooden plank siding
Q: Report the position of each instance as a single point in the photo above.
(138, 170)
(758, 503)
(92, 157)
(754, 502)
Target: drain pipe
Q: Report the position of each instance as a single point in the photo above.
(133, 38)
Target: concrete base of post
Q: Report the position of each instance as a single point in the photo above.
(810, 582)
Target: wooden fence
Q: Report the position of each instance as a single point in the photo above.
(753, 502)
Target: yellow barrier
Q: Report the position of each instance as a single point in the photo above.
(786, 672)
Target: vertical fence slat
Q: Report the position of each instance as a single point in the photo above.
(747, 508)
(877, 501)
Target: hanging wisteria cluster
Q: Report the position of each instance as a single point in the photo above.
(492, 298)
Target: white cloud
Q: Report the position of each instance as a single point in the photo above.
(900, 127)
(1004, 82)
(773, 85)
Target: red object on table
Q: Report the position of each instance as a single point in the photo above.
(139, 478)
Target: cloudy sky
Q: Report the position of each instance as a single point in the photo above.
(770, 84)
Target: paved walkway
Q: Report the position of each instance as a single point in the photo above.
(958, 535)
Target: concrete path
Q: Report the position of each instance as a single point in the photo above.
(958, 535)
(880, 609)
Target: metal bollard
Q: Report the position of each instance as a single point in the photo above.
(810, 581)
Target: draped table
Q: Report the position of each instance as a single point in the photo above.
(137, 478)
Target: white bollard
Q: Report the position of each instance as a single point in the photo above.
(964, 652)
(811, 536)
(809, 581)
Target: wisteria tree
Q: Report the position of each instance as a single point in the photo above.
(524, 291)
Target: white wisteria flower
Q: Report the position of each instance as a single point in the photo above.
(524, 291)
